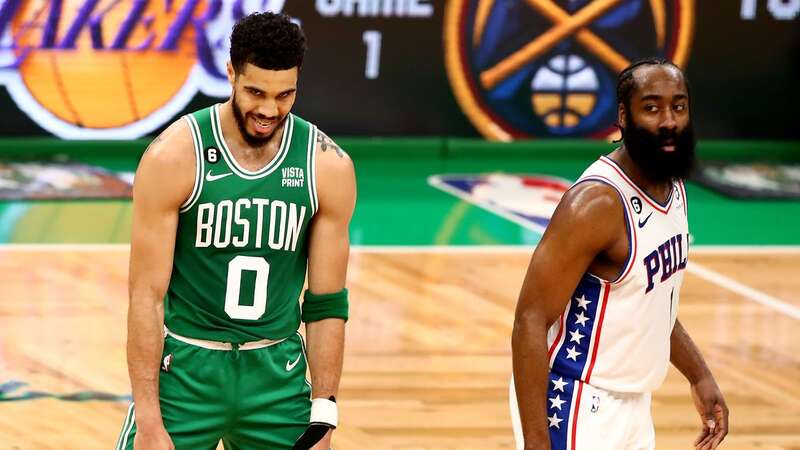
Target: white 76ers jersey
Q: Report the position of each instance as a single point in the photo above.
(615, 334)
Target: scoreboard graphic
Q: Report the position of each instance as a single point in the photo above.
(502, 69)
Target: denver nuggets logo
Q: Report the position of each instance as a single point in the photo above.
(524, 68)
(118, 69)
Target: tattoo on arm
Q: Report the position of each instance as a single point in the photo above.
(158, 139)
(326, 143)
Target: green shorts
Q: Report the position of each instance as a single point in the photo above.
(249, 399)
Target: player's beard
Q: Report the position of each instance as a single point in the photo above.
(241, 122)
(658, 165)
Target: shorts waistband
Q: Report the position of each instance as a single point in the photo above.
(225, 346)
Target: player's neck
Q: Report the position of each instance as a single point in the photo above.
(658, 190)
(244, 153)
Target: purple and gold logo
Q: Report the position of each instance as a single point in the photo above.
(115, 69)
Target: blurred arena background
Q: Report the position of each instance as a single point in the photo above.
(466, 120)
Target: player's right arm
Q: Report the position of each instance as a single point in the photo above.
(163, 181)
(586, 223)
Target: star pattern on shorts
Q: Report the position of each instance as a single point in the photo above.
(558, 385)
(581, 319)
(556, 402)
(576, 336)
(572, 354)
(582, 302)
(554, 421)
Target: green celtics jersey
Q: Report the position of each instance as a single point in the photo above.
(242, 242)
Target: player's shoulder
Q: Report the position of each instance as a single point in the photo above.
(589, 201)
(335, 177)
(592, 194)
(173, 147)
(167, 168)
(332, 160)
(166, 172)
(589, 215)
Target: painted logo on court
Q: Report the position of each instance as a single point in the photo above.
(548, 68)
(528, 200)
(115, 69)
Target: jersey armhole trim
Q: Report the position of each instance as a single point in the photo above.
(629, 228)
(685, 200)
(199, 165)
(311, 160)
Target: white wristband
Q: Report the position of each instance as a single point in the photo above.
(324, 411)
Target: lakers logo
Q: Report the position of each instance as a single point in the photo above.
(105, 69)
(525, 68)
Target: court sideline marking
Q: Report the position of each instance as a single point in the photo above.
(744, 290)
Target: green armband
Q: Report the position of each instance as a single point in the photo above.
(325, 306)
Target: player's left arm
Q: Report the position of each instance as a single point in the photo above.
(708, 399)
(325, 305)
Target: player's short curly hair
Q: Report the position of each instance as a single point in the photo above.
(268, 41)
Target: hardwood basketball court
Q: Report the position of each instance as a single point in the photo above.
(428, 354)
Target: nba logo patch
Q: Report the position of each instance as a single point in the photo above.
(595, 404)
(166, 363)
(528, 200)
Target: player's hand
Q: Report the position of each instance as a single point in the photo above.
(155, 438)
(323, 420)
(316, 437)
(713, 413)
(325, 442)
(544, 445)
(538, 444)
(540, 440)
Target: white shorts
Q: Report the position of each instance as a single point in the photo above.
(584, 417)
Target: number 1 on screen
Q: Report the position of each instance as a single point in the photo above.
(373, 40)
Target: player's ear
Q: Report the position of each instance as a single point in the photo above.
(621, 115)
(231, 72)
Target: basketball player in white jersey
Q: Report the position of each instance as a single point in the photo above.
(596, 324)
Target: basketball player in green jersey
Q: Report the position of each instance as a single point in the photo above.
(231, 205)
